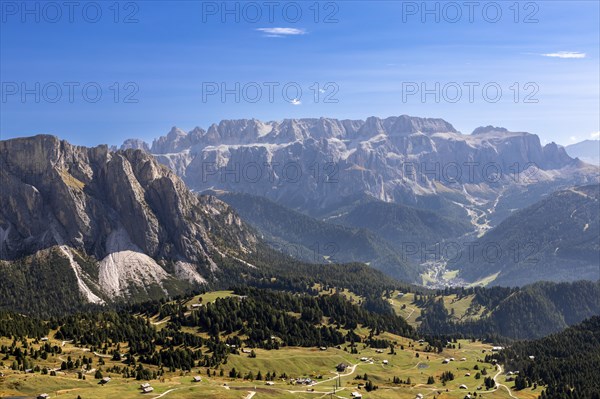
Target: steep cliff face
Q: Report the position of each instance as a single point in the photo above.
(132, 215)
(313, 164)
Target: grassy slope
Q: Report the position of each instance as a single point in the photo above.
(295, 362)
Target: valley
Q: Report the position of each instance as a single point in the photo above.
(299, 200)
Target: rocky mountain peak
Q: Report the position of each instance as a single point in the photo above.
(136, 144)
(117, 207)
(362, 156)
(556, 155)
(489, 129)
(408, 125)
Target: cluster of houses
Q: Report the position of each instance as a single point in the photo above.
(303, 381)
(146, 388)
(104, 381)
(510, 376)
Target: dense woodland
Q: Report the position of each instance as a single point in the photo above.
(261, 314)
(22, 290)
(567, 362)
(16, 325)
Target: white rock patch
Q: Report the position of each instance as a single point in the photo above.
(187, 271)
(119, 270)
(83, 288)
(126, 265)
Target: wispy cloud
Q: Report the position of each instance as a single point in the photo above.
(281, 32)
(296, 101)
(573, 138)
(565, 54)
(595, 135)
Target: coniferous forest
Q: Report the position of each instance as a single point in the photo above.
(568, 363)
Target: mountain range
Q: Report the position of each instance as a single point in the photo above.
(122, 221)
(410, 182)
(314, 165)
(138, 222)
(83, 226)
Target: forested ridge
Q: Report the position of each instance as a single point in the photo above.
(567, 362)
(517, 313)
(254, 318)
(261, 314)
(316, 241)
(57, 294)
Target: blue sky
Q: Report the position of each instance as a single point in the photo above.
(371, 58)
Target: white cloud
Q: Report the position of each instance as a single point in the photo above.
(595, 135)
(573, 138)
(281, 32)
(565, 54)
(296, 101)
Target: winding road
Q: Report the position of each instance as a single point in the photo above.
(165, 393)
(502, 385)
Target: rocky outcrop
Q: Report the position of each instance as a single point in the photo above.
(135, 144)
(122, 208)
(313, 164)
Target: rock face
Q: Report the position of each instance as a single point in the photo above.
(135, 144)
(314, 165)
(327, 167)
(123, 209)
